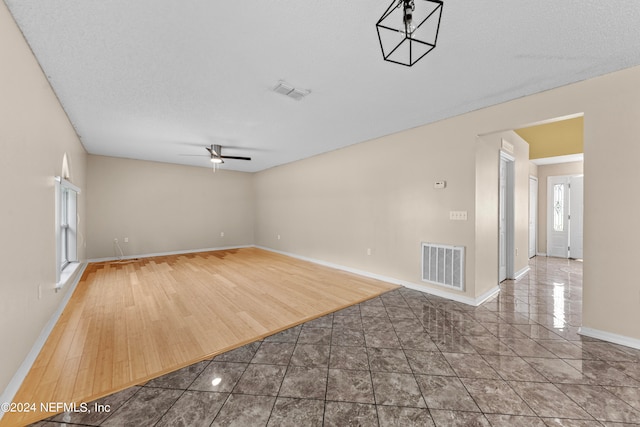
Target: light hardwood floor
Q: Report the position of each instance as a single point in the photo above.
(127, 323)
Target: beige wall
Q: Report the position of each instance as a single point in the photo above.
(376, 195)
(34, 136)
(162, 207)
(380, 194)
(545, 171)
(611, 175)
(334, 206)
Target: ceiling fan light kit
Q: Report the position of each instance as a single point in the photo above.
(408, 30)
(215, 151)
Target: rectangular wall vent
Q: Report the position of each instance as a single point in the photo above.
(443, 265)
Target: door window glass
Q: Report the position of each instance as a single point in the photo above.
(558, 207)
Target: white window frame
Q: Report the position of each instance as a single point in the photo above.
(66, 230)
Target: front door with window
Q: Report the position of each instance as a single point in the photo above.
(564, 216)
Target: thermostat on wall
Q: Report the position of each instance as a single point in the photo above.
(440, 184)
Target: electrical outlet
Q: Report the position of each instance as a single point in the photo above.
(278, 237)
(115, 240)
(222, 234)
(126, 240)
(458, 215)
(368, 251)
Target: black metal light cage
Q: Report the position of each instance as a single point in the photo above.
(402, 41)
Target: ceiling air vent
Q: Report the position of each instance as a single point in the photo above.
(290, 91)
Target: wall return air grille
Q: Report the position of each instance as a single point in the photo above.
(443, 265)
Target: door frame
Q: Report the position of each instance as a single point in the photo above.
(509, 214)
(533, 208)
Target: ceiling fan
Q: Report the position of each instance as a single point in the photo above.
(216, 154)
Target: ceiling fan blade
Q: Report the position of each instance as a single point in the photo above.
(236, 157)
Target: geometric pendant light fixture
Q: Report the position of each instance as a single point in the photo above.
(408, 30)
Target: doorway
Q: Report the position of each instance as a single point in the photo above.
(565, 216)
(505, 216)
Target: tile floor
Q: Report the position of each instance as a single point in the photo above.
(407, 359)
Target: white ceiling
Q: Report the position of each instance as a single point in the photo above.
(158, 79)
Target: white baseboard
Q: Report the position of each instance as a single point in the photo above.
(188, 251)
(416, 286)
(16, 381)
(541, 254)
(487, 295)
(451, 296)
(521, 273)
(610, 337)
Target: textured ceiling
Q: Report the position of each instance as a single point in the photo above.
(158, 79)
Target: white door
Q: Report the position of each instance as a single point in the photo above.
(565, 216)
(558, 216)
(533, 216)
(576, 207)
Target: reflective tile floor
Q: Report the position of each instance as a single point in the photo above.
(407, 359)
